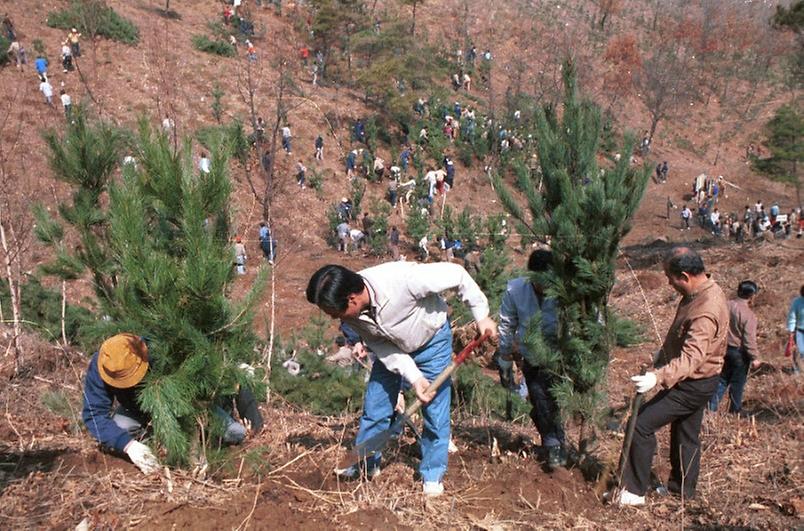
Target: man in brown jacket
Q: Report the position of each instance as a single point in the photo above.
(687, 369)
(742, 352)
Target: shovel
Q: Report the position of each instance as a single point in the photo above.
(371, 446)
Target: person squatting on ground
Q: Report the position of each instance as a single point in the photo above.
(114, 374)
(687, 369)
(398, 311)
(795, 327)
(523, 300)
(742, 352)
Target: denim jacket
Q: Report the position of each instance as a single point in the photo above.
(519, 305)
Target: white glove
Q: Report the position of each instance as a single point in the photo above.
(246, 368)
(644, 382)
(142, 456)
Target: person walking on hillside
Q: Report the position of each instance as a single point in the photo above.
(351, 162)
(66, 57)
(67, 103)
(287, 136)
(344, 232)
(319, 148)
(47, 91)
(524, 299)
(114, 374)
(74, 39)
(301, 171)
(41, 67)
(18, 52)
(686, 216)
(393, 243)
(795, 328)
(240, 256)
(267, 243)
(398, 311)
(687, 370)
(742, 352)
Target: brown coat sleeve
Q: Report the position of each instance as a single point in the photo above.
(750, 335)
(695, 346)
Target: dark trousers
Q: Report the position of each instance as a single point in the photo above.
(733, 378)
(681, 406)
(544, 413)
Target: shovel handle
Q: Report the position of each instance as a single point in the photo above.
(446, 373)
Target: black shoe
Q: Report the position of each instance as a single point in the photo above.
(556, 457)
(674, 488)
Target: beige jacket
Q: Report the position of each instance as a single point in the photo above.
(406, 309)
(696, 342)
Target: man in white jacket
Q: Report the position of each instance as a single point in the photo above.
(397, 310)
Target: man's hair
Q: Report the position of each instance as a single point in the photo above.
(684, 260)
(540, 260)
(801, 291)
(747, 289)
(330, 287)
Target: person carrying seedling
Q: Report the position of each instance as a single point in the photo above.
(525, 298)
(114, 374)
(398, 311)
(687, 370)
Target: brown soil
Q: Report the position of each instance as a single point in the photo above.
(53, 476)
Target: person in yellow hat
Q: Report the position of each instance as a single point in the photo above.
(115, 373)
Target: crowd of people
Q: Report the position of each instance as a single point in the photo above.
(70, 49)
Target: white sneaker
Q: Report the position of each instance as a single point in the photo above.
(433, 488)
(630, 499)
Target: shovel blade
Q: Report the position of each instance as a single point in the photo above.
(372, 445)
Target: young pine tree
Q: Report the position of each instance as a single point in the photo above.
(584, 212)
(165, 239)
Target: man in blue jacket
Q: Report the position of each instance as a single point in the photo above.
(114, 374)
(41, 68)
(524, 300)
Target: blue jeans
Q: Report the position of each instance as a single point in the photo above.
(381, 394)
(733, 376)
(797, 358)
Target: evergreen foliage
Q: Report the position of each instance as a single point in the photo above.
(217, 104)
(41, 307)
(417, 223)
(477, 394)
(202, 43)
(4, 44)
(95, 17)
(162, 266)
(321, 388)
(785, 132)
(378, 241)
(584, 212)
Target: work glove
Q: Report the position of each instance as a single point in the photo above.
(506, 369)
(644, 382)
(142, 456)
(246, 368)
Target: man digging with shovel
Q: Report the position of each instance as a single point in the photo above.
(397, 310)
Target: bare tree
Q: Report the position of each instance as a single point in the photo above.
(666, 80)
(15, 220)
